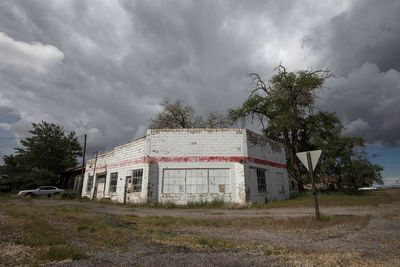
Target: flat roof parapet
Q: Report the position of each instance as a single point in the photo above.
(196, 130)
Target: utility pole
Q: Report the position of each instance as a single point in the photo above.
(314, 192)
(94, 177)
(83, 167)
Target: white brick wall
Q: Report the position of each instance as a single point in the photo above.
(193, 149)
(123, 160)
(196, 142)
(266, 151)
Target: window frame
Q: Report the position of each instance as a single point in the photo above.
(215, 181)
(261, 180)
(89, 183)
(112, 188)
(137, 180)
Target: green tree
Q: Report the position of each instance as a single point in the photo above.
(285, 109)
(357, 169)
(283, 105)
(176, 115)
(44, 156)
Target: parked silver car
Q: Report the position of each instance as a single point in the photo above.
(41, 191)
(367, 188)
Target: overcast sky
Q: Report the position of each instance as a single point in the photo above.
(102, 67)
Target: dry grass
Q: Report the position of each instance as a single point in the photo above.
(332, 258)
(61, 227)
(258, 223)
(53, 233)
(395, 217)
(336, 199)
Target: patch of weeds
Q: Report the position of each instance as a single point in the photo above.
(117, 222)
(214, 243)
(392, 216)
(59, 253)
(6, 196)
(70, 195)
(190, 241)
(167, 205)
(207, 222)
(215, 203)
(15, 211)
(274, 251)
(65, 210)
(81, 228)
(163, 221)
(335, 199)
(38, 232)
(167, 233)
(323, 218)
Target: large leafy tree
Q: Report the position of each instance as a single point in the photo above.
(177, 115)
(341, 156)
(48, 152)
(282, 106)
(285, 108)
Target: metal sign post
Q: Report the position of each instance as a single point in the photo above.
(314, 192)
(310, 160)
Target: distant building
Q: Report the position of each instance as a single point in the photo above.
(181, 165)
(71, 179)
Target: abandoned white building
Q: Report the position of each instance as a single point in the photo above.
(181, 165)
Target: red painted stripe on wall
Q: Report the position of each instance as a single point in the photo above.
(267, 162)
(190, 159)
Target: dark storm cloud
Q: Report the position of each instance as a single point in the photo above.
(368, 31)
(102, 67)
(361, 46)
(367, 100)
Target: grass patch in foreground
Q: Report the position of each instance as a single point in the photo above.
(335, 199)
(192, 241)
(59, 253)
(38, 232)
(304, 223)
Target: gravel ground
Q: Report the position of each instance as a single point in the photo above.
(379, 239)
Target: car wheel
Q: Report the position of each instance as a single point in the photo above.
(33, 195)
(28, 194)
(49, 195)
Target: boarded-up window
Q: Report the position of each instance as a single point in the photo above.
(89, 183)
(261, 182)
(196, 181)
(113, 182)
(137, 180)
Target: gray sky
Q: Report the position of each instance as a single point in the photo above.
(102, 67)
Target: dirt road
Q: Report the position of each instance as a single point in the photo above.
(358, 235)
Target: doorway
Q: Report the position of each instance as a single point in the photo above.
(101, 186)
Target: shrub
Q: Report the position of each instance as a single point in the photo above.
(69, 194)
(59, 253)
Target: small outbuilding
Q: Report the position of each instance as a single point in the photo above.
(182, 165)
